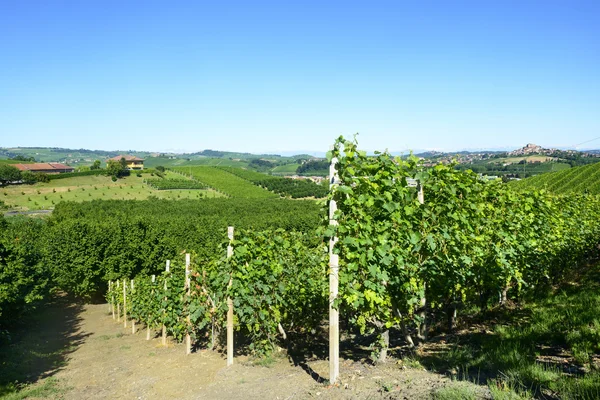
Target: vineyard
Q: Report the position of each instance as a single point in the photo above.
(225, 182)
(411, 262)
(585, 179)
(294, 188)
(261, 279)
(171, 184)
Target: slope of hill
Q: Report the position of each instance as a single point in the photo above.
(573, 180)
(225, 182)
(294, 188)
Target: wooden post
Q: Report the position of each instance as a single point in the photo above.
(148, 324)
(229, 305)
(124, 303)
(108, 300)
(422, 329)
(164, 327)
(334, 316)
(132, 320)
(118, 304)
(188, 339)
(112, 298)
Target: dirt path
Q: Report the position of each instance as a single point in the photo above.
(111, 363)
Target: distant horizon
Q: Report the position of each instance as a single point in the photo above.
(307, 152)
(275, 77)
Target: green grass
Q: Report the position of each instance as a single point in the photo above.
(287, 169)
(226, 182)
(49, 388)
(85, 188)
(549, 345)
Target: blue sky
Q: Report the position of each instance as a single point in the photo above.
(292, 76)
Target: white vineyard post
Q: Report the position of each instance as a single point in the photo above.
(422, 331)
(334, 316)
(188, 339)
(124, 303)
(148, 323)
(118, 303)
(164, 327)
(132, 320)
(229, 305)
(109, 301)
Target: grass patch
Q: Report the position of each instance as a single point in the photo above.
(49, 388)
(546, 347)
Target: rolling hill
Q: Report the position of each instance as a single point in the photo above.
(573, 180)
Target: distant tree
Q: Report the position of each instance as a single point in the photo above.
(28, 177)
(9, 174)
(95, 165)
(160, 168)
(123, 163)
(260, 165)
(116, 168)
(41, 177)
(23, 158)
(314, 167)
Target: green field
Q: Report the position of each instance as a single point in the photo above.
(287, 169)
(574, 180)
(84, 188)
(225, 182)
(152, 162)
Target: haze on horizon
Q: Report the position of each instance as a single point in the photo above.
(269, 77)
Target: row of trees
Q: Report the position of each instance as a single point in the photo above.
(10, 174)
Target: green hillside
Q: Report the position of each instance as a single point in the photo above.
(173, 161)
(573, 180)
(42, 196)
(294, 188)
(225, 182)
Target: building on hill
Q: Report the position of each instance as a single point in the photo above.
(46, 168)
(133, 162)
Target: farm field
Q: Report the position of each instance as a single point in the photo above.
(225, 182)
(466, 278)
(584, 179)
(288, 169)
(85, 188)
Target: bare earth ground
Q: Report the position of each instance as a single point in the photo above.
(111, 363)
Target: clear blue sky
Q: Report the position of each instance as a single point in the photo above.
(275, 76)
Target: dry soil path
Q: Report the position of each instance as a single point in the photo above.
(112, 363)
